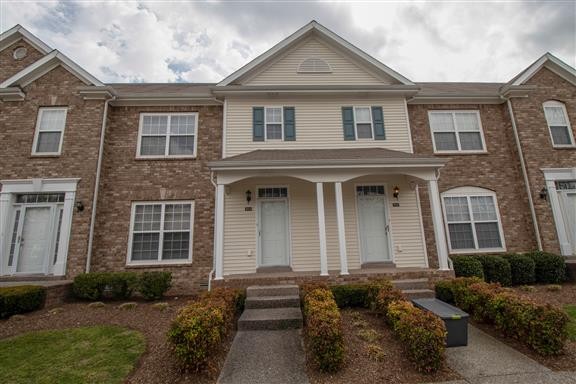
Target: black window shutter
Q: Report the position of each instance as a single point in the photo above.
(258, 124)
(289, 124)
(348, 123)
(378, 122)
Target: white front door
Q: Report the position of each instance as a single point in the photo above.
(568, 207)
(372, 224)
(273, 232)
(35, 240)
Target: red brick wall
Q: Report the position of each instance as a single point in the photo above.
(126, 179)
(537, 144)
(10, 66)
(497, 170)
(79, 148)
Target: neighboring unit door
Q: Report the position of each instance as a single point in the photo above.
(372, 225)
(273, 233)
(35, 240)
(568, 207)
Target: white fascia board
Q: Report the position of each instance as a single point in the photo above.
(313, 25)
(18, 32)
(548, 59)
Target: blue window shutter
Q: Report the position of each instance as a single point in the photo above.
(289, 124)
(378, 122)
(258, 124)
(348, 123)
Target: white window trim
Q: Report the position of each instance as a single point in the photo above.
(266, 122)
(37, 131)
(468, 195)
(159, 261)
(554, 103)
(456, 132)
(166, 154)
(363, 122)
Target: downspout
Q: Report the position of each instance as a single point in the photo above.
(214, 241)
(524, 174)
(97, 183)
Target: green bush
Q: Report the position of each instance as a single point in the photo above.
(90, 286)
(387, 295)
(357, 295)
(198, 330)
(467, 266)
(523, 269)
(121, 285)
(21, 299)
(550, 268)
(323, 328)
(496, 269)
(153, 285)
(443, 290)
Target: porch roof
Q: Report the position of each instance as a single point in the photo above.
(296, 158)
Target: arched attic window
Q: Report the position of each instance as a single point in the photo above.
(314, 65)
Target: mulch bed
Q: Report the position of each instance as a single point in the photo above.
(156, 365)
(364, 364)
(541, 294)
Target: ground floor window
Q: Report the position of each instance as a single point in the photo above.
(161, 232)
(473, 220)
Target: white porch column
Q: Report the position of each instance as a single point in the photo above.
(341, 229)
(565, 247)
(439, 232)
(322, 229)
(5, 200)
(219, 233)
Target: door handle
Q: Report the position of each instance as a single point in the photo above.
(387, 228)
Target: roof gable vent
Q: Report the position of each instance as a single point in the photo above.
(314, 65)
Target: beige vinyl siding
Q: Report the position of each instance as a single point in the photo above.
(284, 70)
(318, 124)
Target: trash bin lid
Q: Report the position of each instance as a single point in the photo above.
(440, 308)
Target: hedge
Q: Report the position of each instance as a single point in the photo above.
(522, 268)
(496, 269)
(357, 295)
(323, 327)
(467, 266)
(550, 268)
(198, 330)
(121, 285)
(153, 285)
(21, 299)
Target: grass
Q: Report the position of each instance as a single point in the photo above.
(103, 354)
(571, 311)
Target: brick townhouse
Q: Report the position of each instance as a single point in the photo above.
(314, 159)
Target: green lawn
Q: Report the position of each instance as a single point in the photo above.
(571, 311)
(103, 354)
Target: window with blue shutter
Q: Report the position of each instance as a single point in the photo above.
(258, 124)
(289, 124)
(378, 123)
(348, 123)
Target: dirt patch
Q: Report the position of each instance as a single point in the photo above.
(156, 365)
(545, 294)
(373, 355)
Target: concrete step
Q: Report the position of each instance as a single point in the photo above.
(418, 293)
(259, 302)
(411, 283)
(270, 319)
(272, 290)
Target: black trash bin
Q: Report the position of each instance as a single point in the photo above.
(455, 319)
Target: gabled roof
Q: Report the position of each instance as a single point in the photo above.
(549, 61)
(17, 33)
(46, 64)
(301, 34)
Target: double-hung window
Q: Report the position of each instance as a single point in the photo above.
(165, 135)
(49, 131)
(274, 123)
(363, 122)
(558, 124)
(456, 131)
(161, 232)
(473, 222)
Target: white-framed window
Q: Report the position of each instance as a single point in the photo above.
(274, 123)
(456, 131)
(163, 135)
(472, 220)
(49, 133)
(363, 123)
(558, 124)
(161, 232)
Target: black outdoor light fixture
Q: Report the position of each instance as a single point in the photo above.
(248, 196)
(396, 192)
(544, 194)
(80, 206)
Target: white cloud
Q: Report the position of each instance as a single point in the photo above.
(204, 42)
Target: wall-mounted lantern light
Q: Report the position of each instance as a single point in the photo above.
(248, 196)
(544, 194)
(396, 192)
(80, 206)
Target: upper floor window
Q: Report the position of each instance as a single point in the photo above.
(49, 131)
(456, 131)
(167, 135)
(273, 124)
(558, 123)
(363, 123)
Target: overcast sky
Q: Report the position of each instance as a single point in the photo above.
(193, 41)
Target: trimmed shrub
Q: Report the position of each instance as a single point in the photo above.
(90, 286)
(121, 285)
(323, 328)
(387, 295)
(523, 269)
(199, 328)
(21, 299)
(467, 266)
(443, 290)
(153, 285)
(357, 295)
(550, 268)
(496, 269)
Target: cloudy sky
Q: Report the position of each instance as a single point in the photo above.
(197, 41)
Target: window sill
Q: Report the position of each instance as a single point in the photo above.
(155, 158)
(477, 251)
(45, 156)
(159, 264)
(564, 147)
(460, 153)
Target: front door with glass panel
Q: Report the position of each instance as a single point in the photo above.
(567, 197)
(372, 224)
(273, 227)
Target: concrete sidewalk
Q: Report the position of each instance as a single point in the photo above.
(487, 360)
